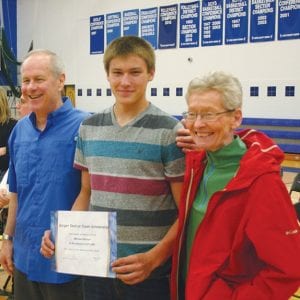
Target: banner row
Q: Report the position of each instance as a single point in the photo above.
(161, 26)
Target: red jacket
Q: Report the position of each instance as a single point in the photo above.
(248, 245)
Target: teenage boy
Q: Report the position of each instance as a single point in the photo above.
(130, 164)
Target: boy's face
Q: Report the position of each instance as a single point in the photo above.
(128, 77)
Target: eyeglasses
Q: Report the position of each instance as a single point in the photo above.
(204, 117)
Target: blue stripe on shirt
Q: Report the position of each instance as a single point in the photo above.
(129, 150)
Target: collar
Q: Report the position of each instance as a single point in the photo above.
(61, 111)
(228, 154)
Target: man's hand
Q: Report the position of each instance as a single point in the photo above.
(47, 246)
(134, 268)
(6, 255)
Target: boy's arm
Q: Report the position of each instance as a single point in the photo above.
(82, 201)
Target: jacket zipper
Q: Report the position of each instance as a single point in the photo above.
(182, 232)
(205, 179)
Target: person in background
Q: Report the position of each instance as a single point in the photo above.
(4, 199)
(6, 125)
(238, 234)
(297, 208)
(23, 109)
(130, 164)
(41, 179)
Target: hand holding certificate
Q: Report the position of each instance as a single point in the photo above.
(85, 242)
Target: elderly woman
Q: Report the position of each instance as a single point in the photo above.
(238, 234)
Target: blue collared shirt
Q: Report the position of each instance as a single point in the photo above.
(41, 173)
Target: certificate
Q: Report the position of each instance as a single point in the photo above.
(85, 242)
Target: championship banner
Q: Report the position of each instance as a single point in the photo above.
(288, 20)
(236, 21)
(97, 34)
(262, 22)
(189, 24)
(167, 27)
(131, 22)
(149, 25)
(212, 23)
(113, 26)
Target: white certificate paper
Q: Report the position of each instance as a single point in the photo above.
(85, 242)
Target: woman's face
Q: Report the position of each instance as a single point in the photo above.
(211, 124)
(23, 107)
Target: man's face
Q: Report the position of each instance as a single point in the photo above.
(40, 86)
(128, 77)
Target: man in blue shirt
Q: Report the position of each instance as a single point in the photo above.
(41, 179)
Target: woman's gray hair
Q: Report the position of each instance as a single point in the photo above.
(227, 85)
(57, 64)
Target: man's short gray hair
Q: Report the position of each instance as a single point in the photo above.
(57, 64)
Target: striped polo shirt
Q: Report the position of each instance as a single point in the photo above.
(130, 170)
